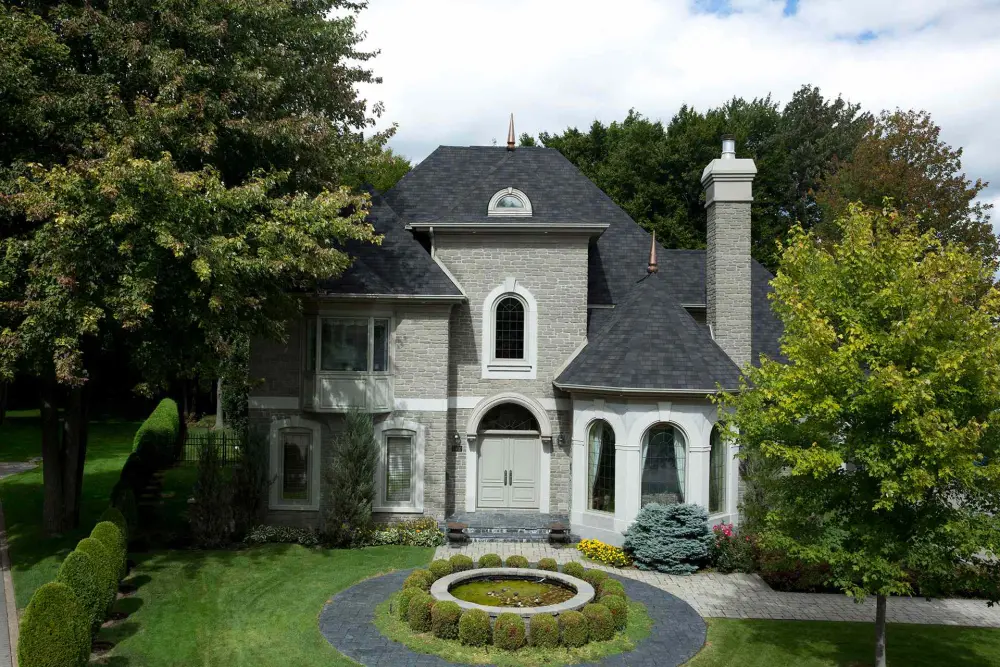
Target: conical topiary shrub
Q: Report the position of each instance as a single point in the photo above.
(81, 574)
(55, 629)
(112, 537)
(674, 539)
(104, 566)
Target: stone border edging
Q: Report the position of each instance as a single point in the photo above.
(8, 589)
(346, 621)
(584, 591)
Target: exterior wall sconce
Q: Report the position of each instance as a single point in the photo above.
(456, 442)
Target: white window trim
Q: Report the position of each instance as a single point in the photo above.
(317, 322)
(395, 426)
(526, 368)
(492, 209)
(274, 498)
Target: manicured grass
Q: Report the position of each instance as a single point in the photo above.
(639, 625)
(762, 643)
(250, 608)
(35, 557)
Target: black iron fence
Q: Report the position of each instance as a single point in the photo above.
(228, 444)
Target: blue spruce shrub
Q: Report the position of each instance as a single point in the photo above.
(674, 539)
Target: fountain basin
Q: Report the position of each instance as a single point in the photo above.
(583, 592)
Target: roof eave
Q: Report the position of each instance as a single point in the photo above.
(594, 229)
(637, 391)
(409, 298)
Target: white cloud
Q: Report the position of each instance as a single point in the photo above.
(454, 69)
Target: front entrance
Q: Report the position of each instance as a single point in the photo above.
(509, 466)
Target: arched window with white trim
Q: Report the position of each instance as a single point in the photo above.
(509, 202)
(601, 467)
(510, 331)
(508, 323)
(717, 473)
(664, 461)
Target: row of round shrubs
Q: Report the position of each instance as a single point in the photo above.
(595, 622)
(63, 616)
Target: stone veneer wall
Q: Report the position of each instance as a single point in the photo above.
(727, 277)
(278, 364)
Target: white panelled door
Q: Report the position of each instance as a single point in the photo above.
(509, 467)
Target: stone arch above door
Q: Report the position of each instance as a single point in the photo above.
(487, 404)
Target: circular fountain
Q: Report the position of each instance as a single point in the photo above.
(526, 592)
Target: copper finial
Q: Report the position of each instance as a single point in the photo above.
(652, 268)
(511, 143)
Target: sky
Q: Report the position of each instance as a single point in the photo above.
(453, 71)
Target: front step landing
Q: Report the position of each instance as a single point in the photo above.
(519, 527)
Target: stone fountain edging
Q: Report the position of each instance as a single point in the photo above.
(584, 591)
(347, 623)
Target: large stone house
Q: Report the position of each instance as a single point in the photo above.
(527, 351)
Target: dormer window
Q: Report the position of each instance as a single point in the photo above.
(509, 202)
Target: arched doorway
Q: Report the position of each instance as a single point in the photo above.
(510, 452)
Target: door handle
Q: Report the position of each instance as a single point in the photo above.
(505, 478)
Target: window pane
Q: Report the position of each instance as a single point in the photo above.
(509, 338)
(295, 465)
(510, 201)
(601, 468)
(310, 345)
(345, 345)
(380, 353)
(663, 455)
(717, 474)
(398, 469)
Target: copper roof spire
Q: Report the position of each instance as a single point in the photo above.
(652, 268)
(511, 142)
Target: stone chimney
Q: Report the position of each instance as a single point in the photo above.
(728, 184)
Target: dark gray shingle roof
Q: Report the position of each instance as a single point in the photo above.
(651, 342)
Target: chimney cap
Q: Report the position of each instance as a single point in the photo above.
(728, 147)
(511, 141)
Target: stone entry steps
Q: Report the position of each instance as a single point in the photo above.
(510, 527)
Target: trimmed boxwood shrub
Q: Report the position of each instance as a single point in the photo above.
(517, 561)
(461, 563)
(508, 632)
(439, 568)
(573, 569)
(55, 629)
(444, 619)
(111, 536)
(543, 631)
(115, 516)
(490, 560)
(610, 587)
(674, 539)
(104, 567)
(403, 601)
(548, 564)
(421, 579)
(618, 607)
(594, 578)
(573, 629)
(157, 438)
(418, 613)
(80, 573)
(123, 499)
(474, 628)
(599, 622)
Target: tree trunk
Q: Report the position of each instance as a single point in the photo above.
(880, 604)
(75, 437)
(52, 460)
(218, 405)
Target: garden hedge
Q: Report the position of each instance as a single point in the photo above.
(79, 572)
(115, 516)
(573, 628)
(594, 578)
(543, 631)
(490, 560)
(599, 622)
(439, 568)
(610, 587)
(548, 564)
(573, 569)
(55, 629)
(517, 561)
(674, 539)
(618, 606)
(421, 579)
(461, 563)
(403, 601)
(111, 536)
(474, 628)
(444, 619)
(418, 613)
(508, 632)
(123, 500)
(157, 438)
(104, 567)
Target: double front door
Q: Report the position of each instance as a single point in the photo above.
(509, 471)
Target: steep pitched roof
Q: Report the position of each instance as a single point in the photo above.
(398, 267)
(650, 342)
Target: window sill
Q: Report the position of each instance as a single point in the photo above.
(408, 509)
(292, 508)
(497, 369)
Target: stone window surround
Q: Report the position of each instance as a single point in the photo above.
(522, 369)
(395, 426)
(492, 210)
(274, 439)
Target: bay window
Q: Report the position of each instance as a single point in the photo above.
(347, 364)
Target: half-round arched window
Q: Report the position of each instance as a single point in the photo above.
(717, 473)
(509, 202)
(508, 337)
(664, 455)
(601, 467)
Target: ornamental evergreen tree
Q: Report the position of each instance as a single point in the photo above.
(351, 478)
(669, 538)
(885, 412)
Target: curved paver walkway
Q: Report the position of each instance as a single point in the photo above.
(748, 596)
(346, 622)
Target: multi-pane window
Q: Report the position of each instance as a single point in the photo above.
(398, 469)
(663, 463)
(601, 468)
(717, 474)
(348, 344)
(508, 339)
(509, 417)
(296, 462)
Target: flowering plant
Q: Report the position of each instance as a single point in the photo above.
(732, 550)
(604, 553)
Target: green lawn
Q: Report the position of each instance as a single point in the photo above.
(740, 643)
(250, 608)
